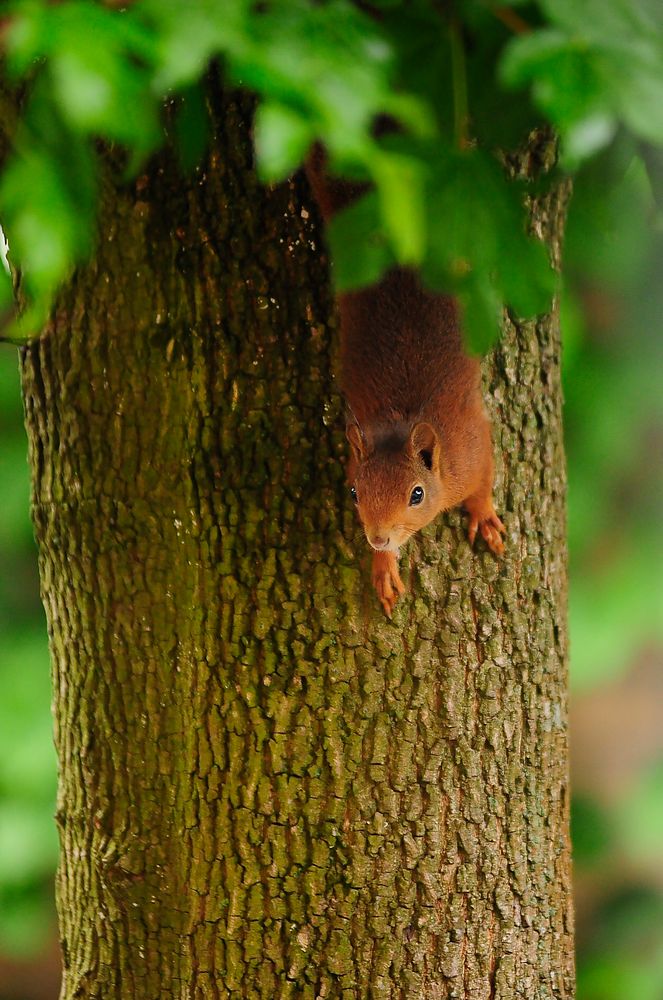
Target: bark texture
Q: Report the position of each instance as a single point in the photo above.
(268, 790)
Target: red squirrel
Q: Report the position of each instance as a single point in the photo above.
(418, 430)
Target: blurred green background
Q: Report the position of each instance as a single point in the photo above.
(612, 314)
(28, 839)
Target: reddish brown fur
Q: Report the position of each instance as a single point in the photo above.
(408, 382)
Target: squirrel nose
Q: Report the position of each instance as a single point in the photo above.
(379, 542)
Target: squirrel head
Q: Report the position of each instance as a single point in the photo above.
(395, 485)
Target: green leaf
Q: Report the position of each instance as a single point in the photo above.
(98, 63)
(282, 138)
(588, 136)
(186, 41)
(525, 275)
(6, 290)
(461, 208)
(567, 83)
(112, 101)
(482, 315)
(83, 88)
(600, 63)
(477, 231)
(638, 95)
(527, 54)
(47, 196)
(497, 119)
(360, 251)
(400, 187)
(422, 54)
(41, 228)
(25, 37)
(598, 19)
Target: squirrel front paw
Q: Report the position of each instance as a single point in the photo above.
(386, 580)
(491, 529)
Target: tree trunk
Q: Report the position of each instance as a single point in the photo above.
(268, 790)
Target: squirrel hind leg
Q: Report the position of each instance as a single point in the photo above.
(386, 580)
(484, 519)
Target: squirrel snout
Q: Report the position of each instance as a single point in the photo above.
(378, 542)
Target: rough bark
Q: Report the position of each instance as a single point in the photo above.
(266, 788)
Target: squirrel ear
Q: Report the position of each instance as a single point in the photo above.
(357, 441)
(425, 442)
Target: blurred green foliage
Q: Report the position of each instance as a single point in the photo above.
(28, 841)
(460, 80)
(613, 366)
(622, 954)
(612, 322)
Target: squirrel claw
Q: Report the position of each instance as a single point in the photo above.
(491, 529)
(386, 580)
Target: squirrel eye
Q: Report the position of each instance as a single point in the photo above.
(416, 496)
(353, 494)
